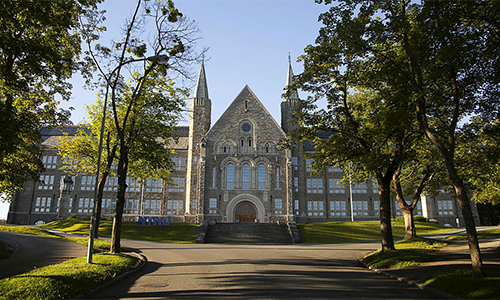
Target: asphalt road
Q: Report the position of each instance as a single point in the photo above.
(209, 271)
(35, 251)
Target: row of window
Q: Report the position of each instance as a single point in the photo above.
(246, 182)
(87, 183)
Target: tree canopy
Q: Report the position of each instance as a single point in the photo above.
(39, 48)
(438, 57)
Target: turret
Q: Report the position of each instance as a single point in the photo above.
(289, 102)
(200, 110)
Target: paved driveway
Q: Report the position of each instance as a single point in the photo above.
(209, 271)
(36, 251)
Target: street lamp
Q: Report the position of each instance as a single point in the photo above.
(156, 59)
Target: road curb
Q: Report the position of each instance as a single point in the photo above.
(407, 281)
(143, 262)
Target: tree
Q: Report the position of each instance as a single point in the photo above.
(39, 48)
(133, 103)
(479, 158)
(443, 57)
(369, 131)
(413, 178)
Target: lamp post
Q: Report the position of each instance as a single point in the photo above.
(156, 59)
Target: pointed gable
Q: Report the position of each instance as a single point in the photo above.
(246, 107)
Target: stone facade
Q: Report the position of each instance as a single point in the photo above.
(231, 171)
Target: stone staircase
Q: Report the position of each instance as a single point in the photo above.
(248, 233)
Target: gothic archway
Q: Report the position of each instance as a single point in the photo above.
(245, 212)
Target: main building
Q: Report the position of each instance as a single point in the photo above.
(231, 171)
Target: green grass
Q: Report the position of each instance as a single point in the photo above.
(355, 232)
(99, 244)
(409, 253)
(461, 284)
(29, 230)
(174, 233)
(66, 280)
(487, 234)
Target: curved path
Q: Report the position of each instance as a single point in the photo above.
(35, 251)
(210, 271)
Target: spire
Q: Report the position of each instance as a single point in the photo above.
(294, 95)
(201, 90)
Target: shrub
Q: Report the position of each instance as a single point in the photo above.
(419, 218)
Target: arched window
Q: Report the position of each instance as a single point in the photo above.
(230, 176)
(245, 175)
(261, 177)
(249, 142)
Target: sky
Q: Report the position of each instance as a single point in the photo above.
(249, 43)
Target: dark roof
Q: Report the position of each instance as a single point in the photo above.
(309, 145)
(60, 131)
(182, 131)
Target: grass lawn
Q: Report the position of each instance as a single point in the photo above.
(66, 280)
(174, 233)
(355, 232)
(99, 244)
(409, 253)
(461, 284)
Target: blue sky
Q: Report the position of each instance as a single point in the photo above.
(249, 42)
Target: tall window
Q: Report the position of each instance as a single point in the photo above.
(278, 206)
(360, 207)
(213, 177)
(133, 184)
(338, 208)
(212, 206)
(230, 176)
(180, 163)
(261, 177)
(154, 185)
(88, 183)
(49, 161)
(131, 206)
(277, 177)
(445, 207)
(314, 185)
(309, 162)
(108, 206)
(336, 186)
(245, 175)
(175, 207)
(47, 182)
(315, 208)
(296, 206)
(42, 204)
(151, 207)
(178, 185)
(194, 206)
(85, 205)
(111, 184)
(295, 163)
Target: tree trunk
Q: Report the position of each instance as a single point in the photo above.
(470, 227)
(98, 208)
(385, 215)
(410, 230)
(120, 200)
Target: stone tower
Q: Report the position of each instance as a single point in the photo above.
(289, 102)
(200, 110)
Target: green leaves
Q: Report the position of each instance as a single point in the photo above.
(39, 48)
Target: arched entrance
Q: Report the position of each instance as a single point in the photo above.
(245, 212)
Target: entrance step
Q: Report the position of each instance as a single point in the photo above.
(248, 233)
